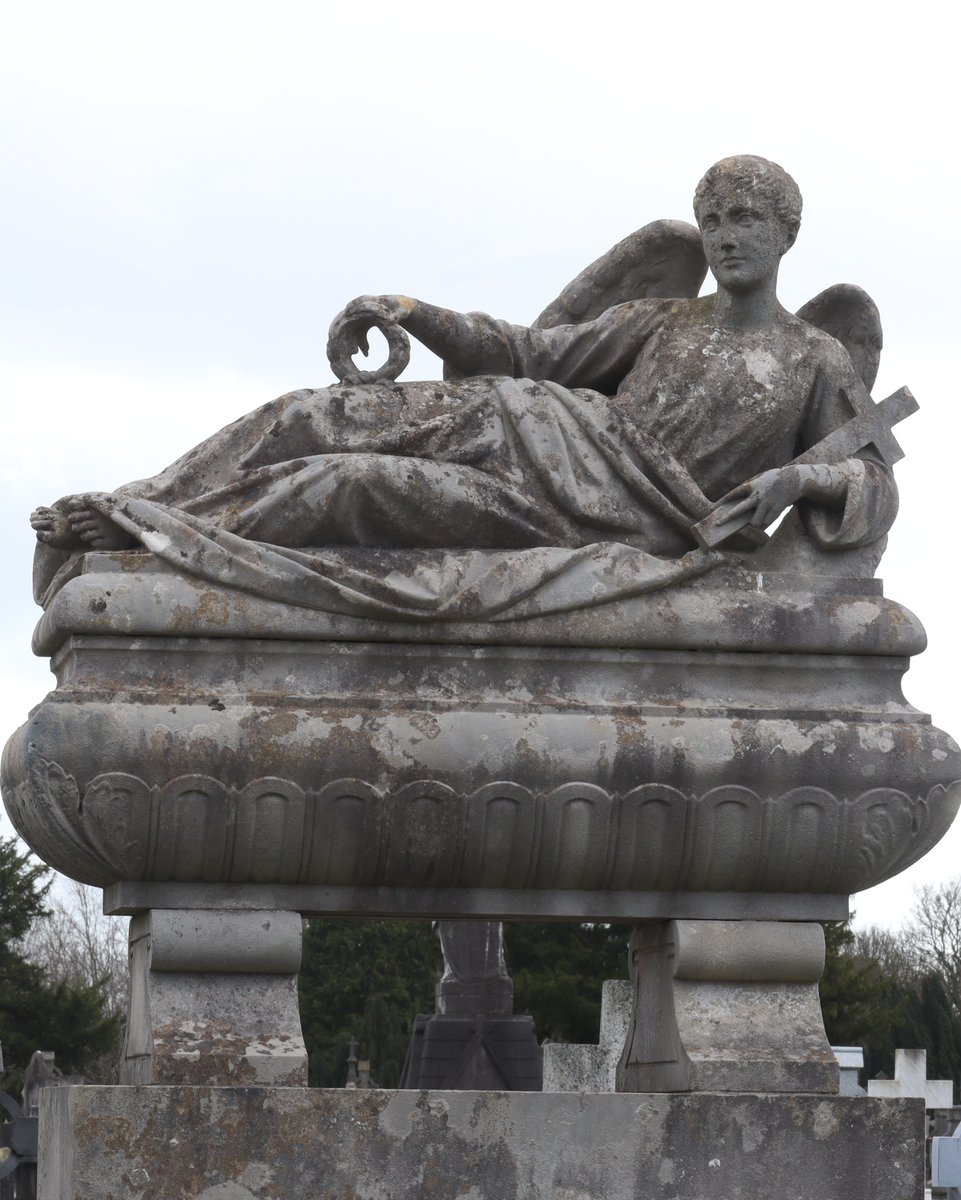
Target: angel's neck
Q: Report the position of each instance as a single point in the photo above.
(750, 310)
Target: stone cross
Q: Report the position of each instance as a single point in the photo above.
(870, 426)
(911, 1079)
(352, 1075)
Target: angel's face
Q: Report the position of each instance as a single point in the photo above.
(744, 238)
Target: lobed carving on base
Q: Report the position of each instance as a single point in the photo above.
(195, 828)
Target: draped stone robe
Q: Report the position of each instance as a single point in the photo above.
(565, 470)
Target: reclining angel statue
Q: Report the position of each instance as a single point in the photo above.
(634, 437)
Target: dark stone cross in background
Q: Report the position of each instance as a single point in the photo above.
(474, 1041)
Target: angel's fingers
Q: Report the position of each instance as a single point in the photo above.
(766, 513)
(738, 493)
(742, 506)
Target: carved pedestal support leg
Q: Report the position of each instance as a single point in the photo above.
(727, 1006)
(213, 999)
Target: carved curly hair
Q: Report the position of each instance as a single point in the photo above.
(766, 178)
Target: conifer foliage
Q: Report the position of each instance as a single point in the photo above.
(35, 1012)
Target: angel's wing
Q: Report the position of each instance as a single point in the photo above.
(664, 259)
(849, 314)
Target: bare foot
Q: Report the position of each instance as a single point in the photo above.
(94, 530)
(53, 529)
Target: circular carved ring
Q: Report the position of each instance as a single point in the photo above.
(347, 371)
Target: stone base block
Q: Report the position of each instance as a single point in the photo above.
(474, 1053)
(202, 1143)
(213, 999)
(727, 1006)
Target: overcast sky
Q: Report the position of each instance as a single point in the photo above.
(192, 191)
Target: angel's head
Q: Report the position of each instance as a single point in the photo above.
(759, 177)
(749, 212)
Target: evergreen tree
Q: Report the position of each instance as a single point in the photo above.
(558, 970)
(860, 1006)
(924, 1020)
(942, 1030)
(880, 993)
(36, 1014)
(366, 979)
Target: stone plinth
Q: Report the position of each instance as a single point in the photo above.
(260, 1144)
(727, 1006)
(213, 999)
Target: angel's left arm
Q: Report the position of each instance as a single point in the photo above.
(853, 502)
(844, 504)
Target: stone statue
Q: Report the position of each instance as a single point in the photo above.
(475, 975)
(514, 645)
(619, 445)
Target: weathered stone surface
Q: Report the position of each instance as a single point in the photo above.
(727, 1006)
(576, 464)
(314, 651)
(560, 904)
(576, 1068)
(275, 1144)
(774, 610)
(213, 999)
(362, 765)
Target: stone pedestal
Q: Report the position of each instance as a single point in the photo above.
(263, 1143)
(727, 1006)
(476, 1052)
(721, 756)
(735, 752)
(213, 999)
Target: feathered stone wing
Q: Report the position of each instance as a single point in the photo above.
(848, 313)
(664, 259)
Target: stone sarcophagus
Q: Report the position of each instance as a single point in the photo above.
(730, 751)
(737, 757)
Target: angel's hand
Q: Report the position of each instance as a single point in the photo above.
(765, 496)
(349, 330)
(368, 312)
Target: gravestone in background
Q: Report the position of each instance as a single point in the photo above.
(474, 1041)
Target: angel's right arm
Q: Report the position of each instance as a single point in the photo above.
(596, 354)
